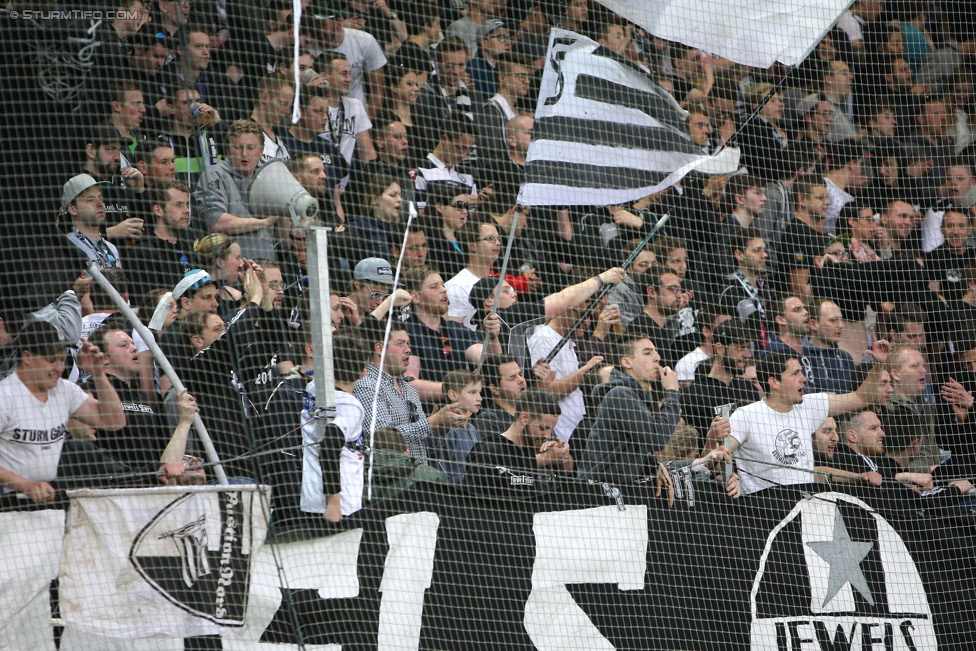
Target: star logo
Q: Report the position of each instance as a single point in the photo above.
(844, 556)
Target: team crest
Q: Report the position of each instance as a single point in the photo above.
(835, 575)
(196, 552)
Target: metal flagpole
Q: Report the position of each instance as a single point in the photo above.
(386, 338)
(164, 366)
(498, 288)
(606, 290)
(319, 302)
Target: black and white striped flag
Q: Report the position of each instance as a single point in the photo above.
(605, 133)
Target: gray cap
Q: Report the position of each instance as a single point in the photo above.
(76, 185)
(488, 27)
(375, 270)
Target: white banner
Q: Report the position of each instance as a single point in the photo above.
(31, 543)
(161, 562)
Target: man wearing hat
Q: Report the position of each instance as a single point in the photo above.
(102, 163)
(196, 292)
(493, 39)
(35, 404)
(372, 282)
(81, 199)
(468, 28)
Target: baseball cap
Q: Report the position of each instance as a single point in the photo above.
(104, 132)
(489, 26)
(192, 279)
(732, 332)
(482, 291)
(808, 103)
(39, 338)
(375, 270)
(75, 186)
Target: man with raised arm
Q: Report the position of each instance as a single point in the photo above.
(772, 439)
(35, 404)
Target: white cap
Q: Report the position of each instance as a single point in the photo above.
(193, 277)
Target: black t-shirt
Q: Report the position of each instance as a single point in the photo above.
(946, 267)
(261, 346)
(521, 477)
(176, 348)
(449, 258)
(799, 245)
(493, 421)
(699, 401)
(960, 319)
(847, 459)
(216, 377)
(141, 442)
(153, 262)
(439, 352)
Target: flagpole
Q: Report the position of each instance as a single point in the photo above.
(498, 289)
(606, 290)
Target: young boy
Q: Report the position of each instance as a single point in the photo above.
(464, 389)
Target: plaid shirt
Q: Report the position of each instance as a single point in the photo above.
(395, 408)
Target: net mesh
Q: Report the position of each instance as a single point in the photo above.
(610, 342)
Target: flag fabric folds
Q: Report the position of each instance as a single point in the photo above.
(168, 562)
(758, 33)
(605, 132)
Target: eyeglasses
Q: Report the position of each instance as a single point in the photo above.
(460, 205)
(674, 289)
(519, 75)
(502, 38)
(447, 346)
(378, 296)
(276, 285)
(491, 239)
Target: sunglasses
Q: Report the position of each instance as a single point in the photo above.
(460, 205)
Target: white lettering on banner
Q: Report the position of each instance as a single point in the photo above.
(327, 565)
(407, 572)
(32, 550)
(598, 545)
(845, 609)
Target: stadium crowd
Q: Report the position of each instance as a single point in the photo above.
(812, 316)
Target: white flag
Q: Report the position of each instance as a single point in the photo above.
(750, 32)
(172, 562)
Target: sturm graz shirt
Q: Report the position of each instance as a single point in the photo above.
(32, 432)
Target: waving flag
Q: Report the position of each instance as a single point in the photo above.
(757, 33)
(605, 132)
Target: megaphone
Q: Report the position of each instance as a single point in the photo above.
(274, 191)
